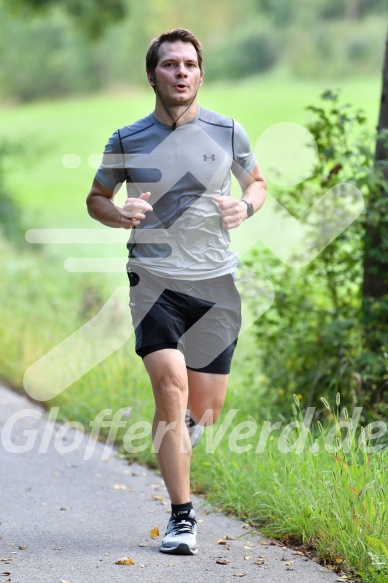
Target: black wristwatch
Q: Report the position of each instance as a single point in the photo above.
(250, 209)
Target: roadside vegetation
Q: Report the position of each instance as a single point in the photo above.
(326, 495)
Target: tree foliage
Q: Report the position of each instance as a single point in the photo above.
(92, 16)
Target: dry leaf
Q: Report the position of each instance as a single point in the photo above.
(339, 560)
(247, 548)
(119, 487)
(248, 557)
(222, 562)
(229, 537)
(221, 541)
(158, 497)
(64, 581)
(239, 575)
(290, 562)
(154, 532)
(260, 561)
(263, 542)
(125, 561)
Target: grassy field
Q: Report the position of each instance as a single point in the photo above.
(336, 505)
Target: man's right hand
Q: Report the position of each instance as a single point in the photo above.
(101, 207)
(134, 211)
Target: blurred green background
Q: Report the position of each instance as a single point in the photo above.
(70, 74)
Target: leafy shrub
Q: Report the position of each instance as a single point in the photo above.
(311, 338)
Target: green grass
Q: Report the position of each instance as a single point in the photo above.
(337, 507)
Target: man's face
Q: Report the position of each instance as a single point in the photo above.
(177, 73)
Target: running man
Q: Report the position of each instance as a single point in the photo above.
(177, 165)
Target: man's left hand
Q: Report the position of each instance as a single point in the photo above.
(233, 211)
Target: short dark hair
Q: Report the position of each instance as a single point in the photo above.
(182, 34)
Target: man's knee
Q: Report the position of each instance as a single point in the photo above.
(206, 417)
(169, 391)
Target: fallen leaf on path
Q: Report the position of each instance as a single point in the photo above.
(239, 575)
(263, 542)
(247, 548)
(248, 557)
(290, 562)
(339, 560)
(64, 581)
(260, 561)
(158, 497)
(154, 532)
(120, 487)
(221, 541)
(222, 562)
(22, 548)
(125, 561)
(230, 537)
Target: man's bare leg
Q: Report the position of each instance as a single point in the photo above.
(175, 388)
(167, 371)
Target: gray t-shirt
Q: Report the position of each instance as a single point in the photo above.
(183, 237)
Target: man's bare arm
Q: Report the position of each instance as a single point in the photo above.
(102, 208)
(254, 190)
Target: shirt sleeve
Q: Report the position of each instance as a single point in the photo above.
(244, 159)
(112, 168)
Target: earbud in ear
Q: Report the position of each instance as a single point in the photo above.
(152, 79)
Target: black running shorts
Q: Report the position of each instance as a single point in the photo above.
(202, 319)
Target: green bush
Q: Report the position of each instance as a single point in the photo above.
(311, 338)
(47, 58)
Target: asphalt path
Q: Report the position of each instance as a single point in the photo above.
(67, 519)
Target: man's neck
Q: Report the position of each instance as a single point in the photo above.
(185, 113)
